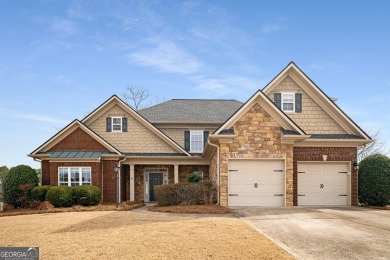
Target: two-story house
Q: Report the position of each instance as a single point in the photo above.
(289, 144)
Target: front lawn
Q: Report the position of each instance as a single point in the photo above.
(135, 235)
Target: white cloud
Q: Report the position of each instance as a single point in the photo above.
(41, 118)
(325, 66)
(268, 28)
(64, 27)
(166, 56)
(237, 86)
(61, 79)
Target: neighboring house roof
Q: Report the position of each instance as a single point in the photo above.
(319, 96)
(260, 98)
(115, 99)
(214, 111)
(67, 130)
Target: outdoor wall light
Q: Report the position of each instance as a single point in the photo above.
(355, 166)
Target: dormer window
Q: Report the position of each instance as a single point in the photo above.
(117, 124)
(288, 102)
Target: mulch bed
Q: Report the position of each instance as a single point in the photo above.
(192, 209)
(124, 206)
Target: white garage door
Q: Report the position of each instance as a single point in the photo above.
(323, 184)
(256, 183)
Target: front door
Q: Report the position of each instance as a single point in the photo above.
(154, 179)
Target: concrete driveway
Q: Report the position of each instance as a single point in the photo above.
(324, 233)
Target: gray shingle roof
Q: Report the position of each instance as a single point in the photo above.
(289, 132)
(335, 136)
(191, 111)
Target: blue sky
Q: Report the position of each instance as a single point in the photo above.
(59, 60)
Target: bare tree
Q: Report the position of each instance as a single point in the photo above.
(135, 97)
(378, 146)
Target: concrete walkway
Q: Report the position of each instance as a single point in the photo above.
(324, 233)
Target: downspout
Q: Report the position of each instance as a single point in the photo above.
(40, 161)
(120, 175)
(218, 181)
(102, 171)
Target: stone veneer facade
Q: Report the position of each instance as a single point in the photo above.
(258, 135)
(313, 119)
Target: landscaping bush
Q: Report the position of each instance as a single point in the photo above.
(60, 196)
(12, 181)
(166, 195)
(374, 180)
(193, 177)
(39, 193)
(185, 194)
(87, 195)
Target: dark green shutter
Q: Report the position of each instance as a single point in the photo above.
(205, 137)
(298, 102)
(124, 124)
(187, 141)
(108, 124)
(278, 100)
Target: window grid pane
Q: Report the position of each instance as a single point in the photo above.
(197, 141)
(288, 102)
(74, 177)
(63, 176)
(86, 176)
(117, 124)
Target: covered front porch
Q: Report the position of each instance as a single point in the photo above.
(139, 175)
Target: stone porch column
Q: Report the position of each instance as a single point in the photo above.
(132, 186)
(176, 173)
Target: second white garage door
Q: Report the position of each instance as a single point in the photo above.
(323, 184)
(256, 183)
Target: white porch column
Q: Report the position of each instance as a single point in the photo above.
(176, 173)
(132, 182)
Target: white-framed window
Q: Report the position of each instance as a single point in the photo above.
(288, 102)
(196, 141)
(74, 176)
(117, 124)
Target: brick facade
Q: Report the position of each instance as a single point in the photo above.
(79, 140)
(258, 135)
(50, 175)
(334, 154)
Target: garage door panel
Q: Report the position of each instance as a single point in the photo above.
(256, 182)
(323, 183)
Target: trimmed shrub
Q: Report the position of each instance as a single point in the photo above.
(199, 193)
(13, 180)
(166, 195)
(193, 177)
(39, 193)
(60, 196)
(374, 180)
(87, 195)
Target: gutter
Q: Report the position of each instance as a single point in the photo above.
(218, 171)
